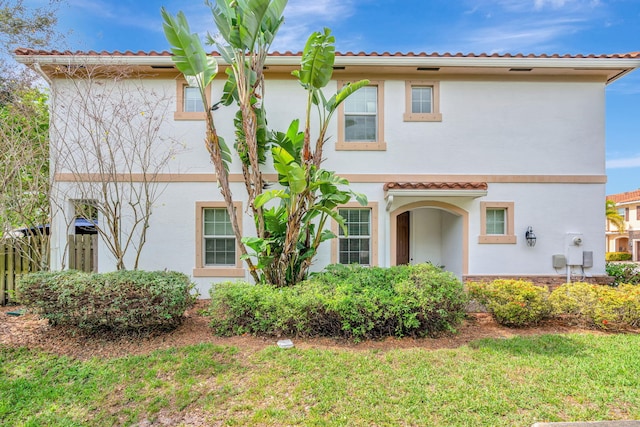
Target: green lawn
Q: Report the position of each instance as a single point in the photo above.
(496, 382)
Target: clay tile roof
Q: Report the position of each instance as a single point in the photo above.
(435, 186)
(629, 196)
(25, 51)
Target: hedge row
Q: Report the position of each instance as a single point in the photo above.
(520, 303)
(617, 256)
(121, 300)
(345, 301)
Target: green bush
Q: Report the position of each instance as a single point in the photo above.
(351, 302)
(120, 301)
(617, 256)
(624, 273)
(597, 305)
(512, 302)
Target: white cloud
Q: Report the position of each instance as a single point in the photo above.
(629, 162)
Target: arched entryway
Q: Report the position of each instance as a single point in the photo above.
(430, 231)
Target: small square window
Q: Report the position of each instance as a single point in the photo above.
(189, 105)
(422, 101)
(497, 223)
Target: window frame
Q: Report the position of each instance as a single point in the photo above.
(379, 144)
(373, 233)
(435, 115)
(509, 237)
(180, 114)
(202, 270)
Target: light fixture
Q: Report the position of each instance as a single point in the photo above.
(530, 236)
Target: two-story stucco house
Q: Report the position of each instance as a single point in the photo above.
(628, 240)
(459, 155)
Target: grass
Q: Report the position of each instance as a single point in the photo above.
(497, 382)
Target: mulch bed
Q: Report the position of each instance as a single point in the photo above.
(30, 331)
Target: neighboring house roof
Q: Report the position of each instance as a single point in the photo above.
(627, 197)
(608, 66)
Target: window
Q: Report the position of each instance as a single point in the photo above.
(359, 244)
(422, 101)
(192, 100)
(361, 119)
(219, 239)
(638, 212)
(496, 222)
(216, 250)
(355, 246)
(626, 214)
(189, 104)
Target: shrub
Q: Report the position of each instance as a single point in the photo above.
(597, 305)
(351, 302)
(512, 302)
(617, 256)
(120, 301)
(624, 273)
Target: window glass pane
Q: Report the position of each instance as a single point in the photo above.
(360, 128)
(364, 100)
(496, 221)
(219, 249)
(192, 100)
(356, 247)
(421, 99)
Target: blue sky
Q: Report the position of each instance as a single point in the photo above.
(467, 26)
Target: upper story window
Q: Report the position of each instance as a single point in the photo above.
(361, 119)
(192, 100)
(422, 101)
(189, 104)
(497, 222)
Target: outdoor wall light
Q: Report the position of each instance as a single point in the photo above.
(530, 236)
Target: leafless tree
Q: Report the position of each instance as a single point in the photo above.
(108, 148)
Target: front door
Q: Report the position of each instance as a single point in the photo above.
(402, 239)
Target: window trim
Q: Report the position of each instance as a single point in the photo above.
(180, 114)
(435, 115)
(373, 256)
(379, 145)
(200, 269)
(509, 237)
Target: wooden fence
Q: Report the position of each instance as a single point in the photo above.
(22, 256)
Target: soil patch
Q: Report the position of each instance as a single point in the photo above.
(27, 330)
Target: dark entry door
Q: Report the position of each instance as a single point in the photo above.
(402, 238)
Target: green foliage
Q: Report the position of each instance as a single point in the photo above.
(617, 256)
(24, 170)
(352, 302)
(120, 301)
(612, 215)
(513, 303)
(624, 272)
(599, 306)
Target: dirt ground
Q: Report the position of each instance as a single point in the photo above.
(29, 331)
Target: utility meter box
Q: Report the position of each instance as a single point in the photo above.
(573, 244)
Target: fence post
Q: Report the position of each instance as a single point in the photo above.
(3, 273)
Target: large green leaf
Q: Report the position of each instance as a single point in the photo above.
(316, 65)
(344, 93)
(189, 56)
(269, 195)
(291, 173)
